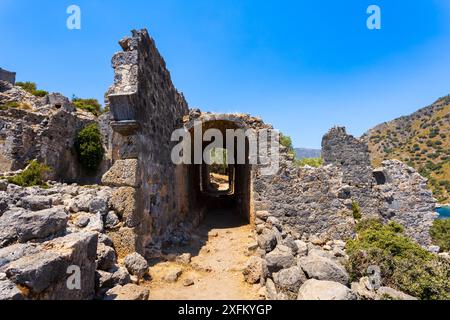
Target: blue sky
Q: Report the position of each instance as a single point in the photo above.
(304, 66)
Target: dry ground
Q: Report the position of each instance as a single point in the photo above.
(219, 253)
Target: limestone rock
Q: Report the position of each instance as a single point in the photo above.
(127, 292)
(273, 222)
(121, 276)
(3, 185)
(263, 215)
(386, 293)
(324, 290)
(302, 248)
(123, 174)
(4, 205)
(82, 220)
(253, 270)
(98, 205)
(9, 291)
(271, 290)
(184, 258)
(36, 203)
(123, 201)
(20, 225)
(103, 238)
(45, 271)
(322, 268)
(136, 264)
(267, 240)
(111, 220)
(109, 279)
(173, 274)
(106, 257)
(280, 258)
(363, 289)
(290, 279)
(188, 282)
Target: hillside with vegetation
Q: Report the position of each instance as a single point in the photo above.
(422, 140)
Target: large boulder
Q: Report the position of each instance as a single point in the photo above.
(324, 290)
(20, 225)
(47, 269)
(280, 258)
(290, 279)
(322, 268)
(36, 203)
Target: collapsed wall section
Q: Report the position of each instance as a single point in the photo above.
(326, 202)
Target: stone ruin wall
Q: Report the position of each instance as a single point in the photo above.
(7, 76)
(146, 108)
(317, 202)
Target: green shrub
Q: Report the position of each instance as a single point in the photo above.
(440, 233)
(33, 175)
(404, 264)
(356, 209)
(90, 105)
(286, 141)
(88, 145)
(312, 162)
(32, 88)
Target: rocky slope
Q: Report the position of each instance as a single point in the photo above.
(422, 140)
(44, 128)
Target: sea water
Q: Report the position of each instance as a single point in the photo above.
(444, 212)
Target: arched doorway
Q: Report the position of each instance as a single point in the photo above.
(227, 184)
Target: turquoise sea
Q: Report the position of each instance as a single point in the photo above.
(444, 212)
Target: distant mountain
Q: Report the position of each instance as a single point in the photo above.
(421, 140)
(303, 153)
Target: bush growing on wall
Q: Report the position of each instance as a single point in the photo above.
(90, 105)
(88, 145)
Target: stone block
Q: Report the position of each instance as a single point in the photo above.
(125, 241)
(123, 173)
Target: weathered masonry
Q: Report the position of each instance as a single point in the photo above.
(7, 76)
(158, 198)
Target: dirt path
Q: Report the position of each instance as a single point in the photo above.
(219, 253)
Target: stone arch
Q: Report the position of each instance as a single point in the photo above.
(239, 197)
